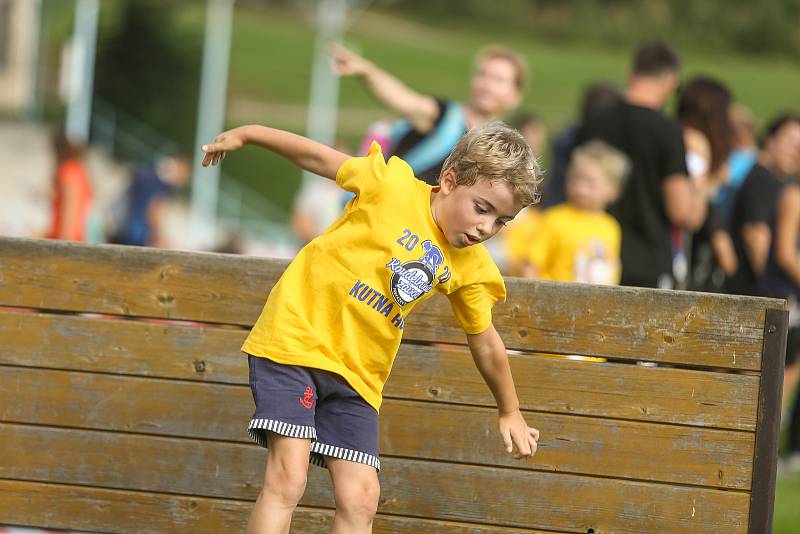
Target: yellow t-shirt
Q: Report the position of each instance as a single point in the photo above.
(573, 245)
(518, 236)
(341, 304)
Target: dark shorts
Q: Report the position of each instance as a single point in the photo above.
(301, 402)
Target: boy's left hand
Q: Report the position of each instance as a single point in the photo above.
(520, 440)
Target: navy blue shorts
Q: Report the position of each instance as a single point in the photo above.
(302, 402)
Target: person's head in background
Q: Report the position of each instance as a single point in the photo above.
(780, 148)
(595, 176)
(743, 123)
(597, 96)
(498, 82)
(532, 129)
(63, 148)
(654, 76)
(704, 105)
(175, 170)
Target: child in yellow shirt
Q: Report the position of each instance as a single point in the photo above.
(577, 241)
(321, 351)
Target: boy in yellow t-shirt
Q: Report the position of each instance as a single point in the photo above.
(322, 349)
(577, 241)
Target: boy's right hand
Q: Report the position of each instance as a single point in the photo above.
(347, 62)
(222, 144)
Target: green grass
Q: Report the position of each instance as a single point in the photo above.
(787, 512)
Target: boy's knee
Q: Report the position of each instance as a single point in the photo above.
(286, 482)
(359, 498)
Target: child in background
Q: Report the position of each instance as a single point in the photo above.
(321, 351)
(577, 241)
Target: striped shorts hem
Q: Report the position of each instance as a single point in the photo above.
(319, 450)
(259, 427)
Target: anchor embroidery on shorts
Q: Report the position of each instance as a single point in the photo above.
(308, 398)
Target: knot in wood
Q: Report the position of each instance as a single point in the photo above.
(434, 391)
(200, 366)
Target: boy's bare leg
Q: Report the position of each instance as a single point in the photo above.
(356, 491)
(284, 484)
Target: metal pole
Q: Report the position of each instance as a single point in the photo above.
(324, 93)
(210, 115)
(84, 43)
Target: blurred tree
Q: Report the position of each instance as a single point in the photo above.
(149, 68)
(763, 27)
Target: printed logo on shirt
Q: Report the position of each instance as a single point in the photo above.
(307, 401)
(412, 279)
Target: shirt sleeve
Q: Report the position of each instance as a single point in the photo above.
(675, 153)
(472, 303)
(758, 202)
(363, 175)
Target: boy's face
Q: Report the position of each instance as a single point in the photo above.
(494, 87)
(472, 214)
(588, 188)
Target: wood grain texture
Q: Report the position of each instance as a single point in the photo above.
(106, 510)
(628, 323)
(702, 398)
(426, 430)
(472, 494)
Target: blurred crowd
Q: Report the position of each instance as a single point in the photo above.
(697, 199)
(692, 200)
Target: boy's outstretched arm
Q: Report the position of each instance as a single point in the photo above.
(303, 152)
(489, 354)
(421, 110)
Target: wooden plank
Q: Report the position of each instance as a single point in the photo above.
(628, 323)
(61, 506)
(762, 500)
(414, 488)
(464, 434)
(721, 400)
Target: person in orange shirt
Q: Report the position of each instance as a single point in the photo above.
(72, 195)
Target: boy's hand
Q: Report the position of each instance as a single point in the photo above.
(223, 143)
(520, 440)
(347, 63)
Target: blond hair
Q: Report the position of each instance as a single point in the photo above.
(614, 164)
(496, 152)
(512, 56)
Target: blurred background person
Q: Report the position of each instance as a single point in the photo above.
(72, 191)
(432, 125)
(318, 203)
(144, 204)
(577, 241)
(782, 273)
(701, 258)
(533, 128)
(658, 194)
(596, 96)
(755, 211)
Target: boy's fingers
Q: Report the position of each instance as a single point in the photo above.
(506, 433)
(524, 447)
(534, 433)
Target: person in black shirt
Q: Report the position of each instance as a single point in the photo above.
(781, 273)
(658, 194)
(756, 213)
